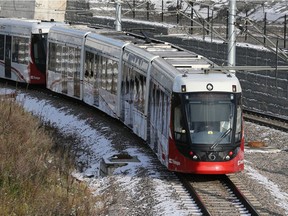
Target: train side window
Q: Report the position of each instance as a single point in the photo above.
(65, 59)
(114, 78)
(125, 81)
(77, 61)
(15, 49)
(58, 62)
(89, 65)
(70, 61)
(109, 74)
(165, 112)
(139, 92)
(20, 50)
(2, 47)
(99, 70)
(179, 128)
(104, 73)
(112, 75)
(238, 123)
(52, 57)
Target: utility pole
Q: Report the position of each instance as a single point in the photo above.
(118, 26)
(232, 34)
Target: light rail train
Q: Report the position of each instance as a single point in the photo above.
(187, 112)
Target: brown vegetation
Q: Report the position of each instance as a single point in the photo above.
(34, 179)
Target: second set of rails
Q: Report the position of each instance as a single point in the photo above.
(271, 121)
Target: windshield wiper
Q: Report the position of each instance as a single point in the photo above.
(219, 139)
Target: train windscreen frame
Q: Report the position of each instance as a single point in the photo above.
(206, 119)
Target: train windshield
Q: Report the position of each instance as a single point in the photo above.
(206, 118)
(39, 49)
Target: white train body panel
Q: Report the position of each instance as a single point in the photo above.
(198, 82)
(137, 66)
(102, 57)
(17, 62)
(64, 68)
(15, 28)
(24, 27)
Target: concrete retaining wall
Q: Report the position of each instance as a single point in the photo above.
(33, 9)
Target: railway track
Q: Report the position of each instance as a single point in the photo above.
(214, 195)
(266, 120)
(218, 195)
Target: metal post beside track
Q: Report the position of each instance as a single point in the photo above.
(232, 34)
(285, 30)
(118, 26)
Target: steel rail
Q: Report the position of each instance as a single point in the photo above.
(268, 120)
(240, 195)
(193, 194)
(225, 180)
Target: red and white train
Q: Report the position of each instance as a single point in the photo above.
(187, 112)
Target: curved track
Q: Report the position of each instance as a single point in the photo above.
(218, 195)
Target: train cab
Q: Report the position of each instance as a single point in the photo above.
(207, 136)
(23, 47)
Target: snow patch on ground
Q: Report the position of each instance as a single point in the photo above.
(101, 147)
(280, 196)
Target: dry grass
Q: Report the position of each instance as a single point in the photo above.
(34, 180)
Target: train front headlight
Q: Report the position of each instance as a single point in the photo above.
(229, 155)
(194, 156)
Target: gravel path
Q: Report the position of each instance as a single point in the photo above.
(266, 169)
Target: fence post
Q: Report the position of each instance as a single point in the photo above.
(227, 22)
(162, 15)
(134, 6)
(285, 30)
(177, 10)
(118, 25)
(211, 29)
(192, 15)
(265, 20)
(246, 25)
(148, 9)
(208, 20)
(276, 56)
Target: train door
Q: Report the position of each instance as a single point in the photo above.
(153, 116)
(8, 57)
(77, 73)
(158, 119)
(2, 46)
(38, 52)
(127, 96)
(64, 69)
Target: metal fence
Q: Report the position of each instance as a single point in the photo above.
(197, 18)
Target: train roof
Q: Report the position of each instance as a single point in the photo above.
(25, 27)
(184, 61)
(175, 66)
(74, 34)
